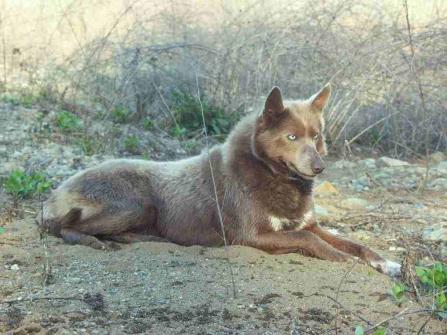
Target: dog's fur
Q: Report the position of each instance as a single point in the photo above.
(263, 176)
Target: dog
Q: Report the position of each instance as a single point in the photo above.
(255, 190)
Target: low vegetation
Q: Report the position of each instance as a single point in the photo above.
(22, 185)
(132, 144)
(68, 122)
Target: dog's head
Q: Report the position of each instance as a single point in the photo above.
(289, 134)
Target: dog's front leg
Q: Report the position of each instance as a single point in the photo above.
(358, 250)
(281, 242)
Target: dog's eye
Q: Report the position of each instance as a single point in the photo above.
(291, 137)
(316, 137)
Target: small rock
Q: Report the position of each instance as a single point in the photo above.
(442, 165)
(343, 164)
(321, 211)
(354, 203)
(437, 232)
(333, 231)
(325, 188)
(15, 267)
(390, 162)
(437, 157)
(368, 163)
(361, 235)
(438, 184)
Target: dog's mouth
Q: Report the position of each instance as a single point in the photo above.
(294, 172)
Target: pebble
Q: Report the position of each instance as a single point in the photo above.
(354, 203)
(15, 267)
(325, 188)
(437, 157)
(391, 162)
(436, 232)
(321, 211)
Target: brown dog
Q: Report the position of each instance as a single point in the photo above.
(262, 178)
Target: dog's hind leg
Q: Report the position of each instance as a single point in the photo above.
(358, 250)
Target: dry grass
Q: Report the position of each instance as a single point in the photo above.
(137, 54)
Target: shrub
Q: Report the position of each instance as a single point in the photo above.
(87, 145)
(68, 122)
(21, 185)
(120, 115)
(132, 144)
(148, 124)
(187, 111)
(434, 281)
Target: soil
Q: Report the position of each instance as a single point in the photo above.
(163, 288)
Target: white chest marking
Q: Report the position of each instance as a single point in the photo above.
(279, 223)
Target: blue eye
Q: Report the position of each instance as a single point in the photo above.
(291, 137)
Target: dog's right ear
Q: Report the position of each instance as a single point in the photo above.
(274, 106)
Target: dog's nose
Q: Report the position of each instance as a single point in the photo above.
(317, 166)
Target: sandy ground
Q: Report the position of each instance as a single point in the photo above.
(162, 288)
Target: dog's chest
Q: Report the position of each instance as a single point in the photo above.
(281, 223)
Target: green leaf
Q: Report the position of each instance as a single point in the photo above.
(359, 330)
(2, 230)
(398, 290)
(441, 301)
(380, 331)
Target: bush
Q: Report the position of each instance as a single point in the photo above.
(188, 114)
(132, 144)
(434, 281)
(120, 115)
(68, 122)
(21, 185)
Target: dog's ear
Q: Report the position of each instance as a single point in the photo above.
(274, 106)
(320, 99)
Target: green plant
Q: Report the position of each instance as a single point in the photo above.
(28, 100)
(10, 98)
(177, 131)
(120, 114)
(87, 146)
(21, 185)
(132, 144)
(434, 281)
(68, 122)
(148, 124)
(187, 111)
(191, 146)
(398, 292)
(360, 331)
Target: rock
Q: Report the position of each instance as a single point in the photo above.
(437, 157)
(360, 184)
(344, 164)
(368, 163)
(390, 162)
(436, 232)
(321, 211)
(442, 165)
(325, 188)
(15, 267)
(354, 203)
(438, 184)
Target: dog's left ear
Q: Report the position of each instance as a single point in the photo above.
(320, 99)
(273, 104)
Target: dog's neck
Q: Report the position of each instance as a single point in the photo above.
(305, 186)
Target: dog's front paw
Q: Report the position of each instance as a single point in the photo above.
(387, 267)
